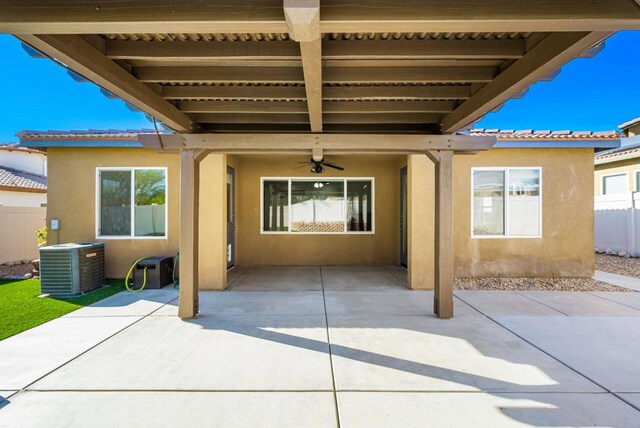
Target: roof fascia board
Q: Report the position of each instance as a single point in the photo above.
(45, 143)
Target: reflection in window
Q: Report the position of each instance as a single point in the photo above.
(276, 206)
(115, 203)
(524, 202)
(333, 205)
(613, 184)
(359, 206)
(488, 202)
(516, 213)
(317, 206)
(146, 217)
(150, 202)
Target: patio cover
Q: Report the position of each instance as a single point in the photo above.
(311, 69)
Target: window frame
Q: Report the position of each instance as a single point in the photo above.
(624, 173)
(98, 219)
(506, 235)
(345, 180)
(635, 180)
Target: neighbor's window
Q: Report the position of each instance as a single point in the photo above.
(615, 183)
(132, 202)
(506, 202)
(317, 205)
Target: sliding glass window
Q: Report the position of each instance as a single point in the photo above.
(506, 203)
(303, 205)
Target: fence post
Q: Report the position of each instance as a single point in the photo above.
(632, 228)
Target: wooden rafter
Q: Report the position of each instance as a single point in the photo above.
(358, 16)
(290, 75)
(327, 118)
(303, 20)
(547, 56)
(182, 51)
(329, 107)
(86, 60)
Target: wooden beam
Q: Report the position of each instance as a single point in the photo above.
(329, 107)
(547, 56)
(329, 118)
(423, 49)
(347, 143)
(443, 293)
(339, 50)
(161, 51)
(86, 60)
(358, 16)
(189, 213)
(312, 68)
(141, 16)
(472, 16)
(292, 75)
(334, 93)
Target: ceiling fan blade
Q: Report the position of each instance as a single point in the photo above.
(330, 165)
(307, 164)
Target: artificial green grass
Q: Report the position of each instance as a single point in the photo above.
(22, 309)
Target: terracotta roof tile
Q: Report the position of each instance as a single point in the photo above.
(530, 134)
(110, 134)
(20, 180)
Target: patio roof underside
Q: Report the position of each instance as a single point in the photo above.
(391, 66)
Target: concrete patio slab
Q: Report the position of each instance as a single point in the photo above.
(275, 278)
(466, 353)
(360, 278)
(170, 409)
(128, 304)
(370, 303)
(509, 303)
(32, 354)
(399, 273)
(205, 354)
(633, 399)
(604, 349)
(579, 303)
(628, 299)
(231, 303)
(234, 273)
(408, 410)
(619, 280)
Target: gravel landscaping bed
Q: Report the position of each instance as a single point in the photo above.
(535, 284)
(620, 265)
(22, 271)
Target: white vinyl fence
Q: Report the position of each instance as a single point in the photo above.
(617, 222)
(18, 227)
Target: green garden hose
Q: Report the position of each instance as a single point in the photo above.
(144, 282)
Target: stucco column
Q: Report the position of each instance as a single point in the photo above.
(213, 222)
(189, 184)
(420, 222)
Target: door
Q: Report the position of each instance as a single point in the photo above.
(403, 217)
(231, 217)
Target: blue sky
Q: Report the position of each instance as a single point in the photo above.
(589, 94)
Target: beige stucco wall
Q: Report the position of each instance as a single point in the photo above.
(72, 199)
(566, 246)
(255, 248)
(628, 166)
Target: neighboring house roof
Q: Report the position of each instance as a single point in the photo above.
(630, 149)
(630, 123)
(20, 181)
(10, 147)
(551, 139)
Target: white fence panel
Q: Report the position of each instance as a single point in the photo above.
(18, 227)
(617, 222)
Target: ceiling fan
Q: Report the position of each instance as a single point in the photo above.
(317, 163)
